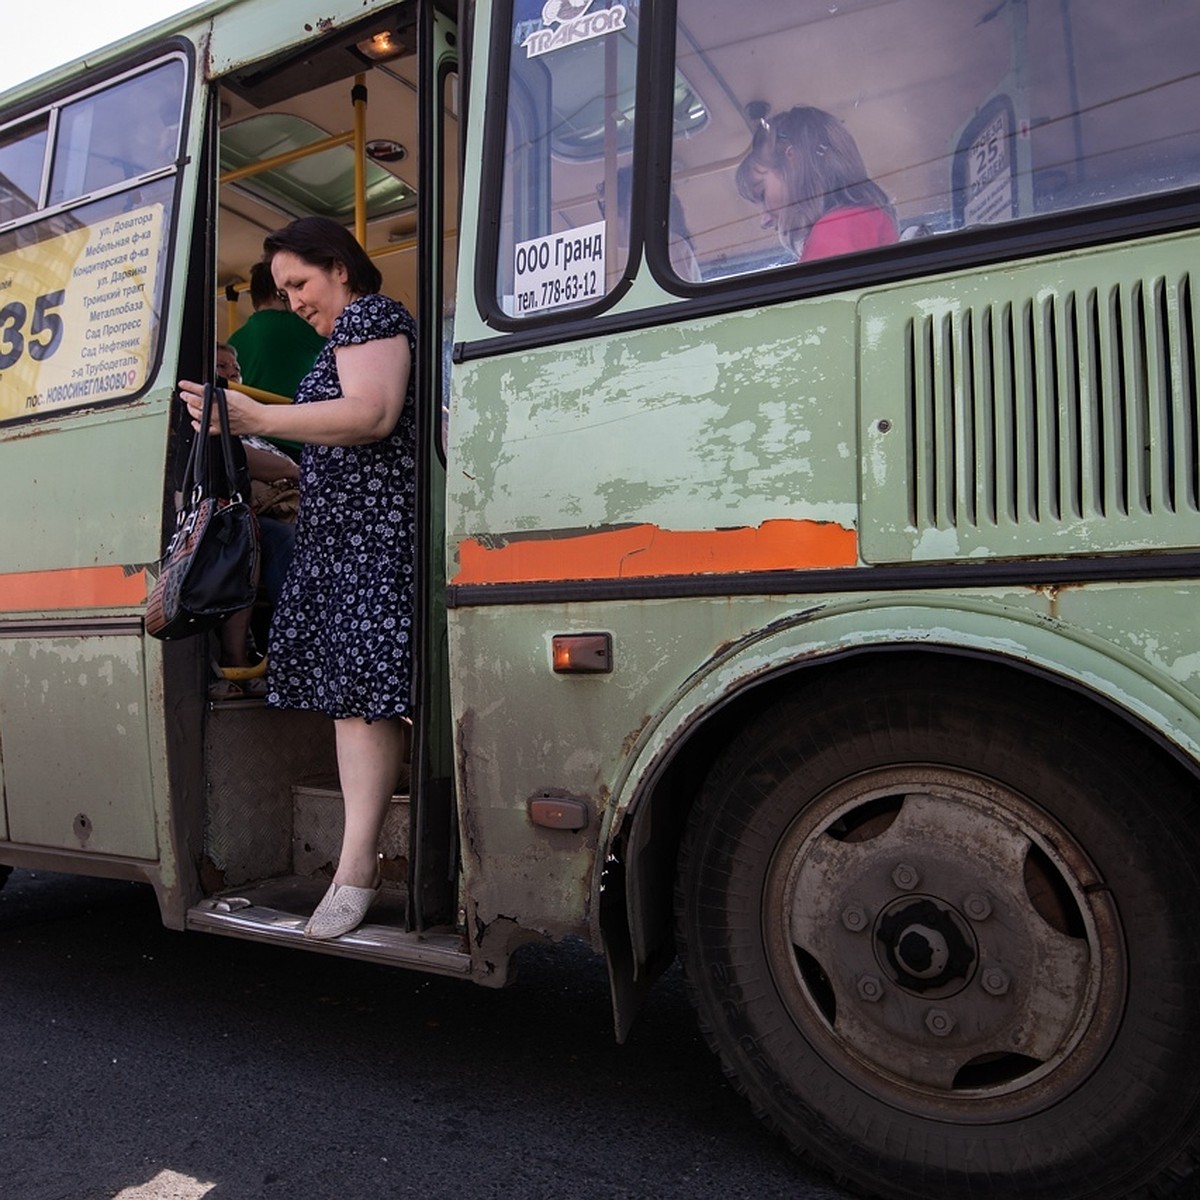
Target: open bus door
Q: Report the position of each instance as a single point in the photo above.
(89, 207)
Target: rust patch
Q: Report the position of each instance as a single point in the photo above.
(1053, 593)
(470, 835)
(631, 738)
(206, 56)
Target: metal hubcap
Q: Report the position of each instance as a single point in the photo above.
(940, 937)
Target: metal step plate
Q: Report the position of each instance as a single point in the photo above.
(276, 911)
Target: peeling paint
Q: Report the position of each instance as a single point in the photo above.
(681, 426)
(72, 588)
(936, 543)
(873, 331)
(1183, 668)
(631, 739)
(647, 551)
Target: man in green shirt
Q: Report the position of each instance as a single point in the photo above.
(275, 348)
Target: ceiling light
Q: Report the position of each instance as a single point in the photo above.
(381, 46)
(385, 150)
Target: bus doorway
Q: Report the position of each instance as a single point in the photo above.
(362, 128)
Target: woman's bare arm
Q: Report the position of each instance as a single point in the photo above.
(374, 378)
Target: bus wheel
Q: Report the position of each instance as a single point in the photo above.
(941, 929)
(5, 872)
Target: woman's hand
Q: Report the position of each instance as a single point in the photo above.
(244, 413)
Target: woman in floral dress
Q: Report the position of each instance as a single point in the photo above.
(341, 638)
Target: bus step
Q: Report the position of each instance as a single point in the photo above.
(317, 832)
(276, 911)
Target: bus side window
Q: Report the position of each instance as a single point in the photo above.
(118, 134)
(964, 116)
(824, 130)
(22, 156)
(87, 186)
(568, 128)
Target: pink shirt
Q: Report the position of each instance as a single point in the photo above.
(844, 230)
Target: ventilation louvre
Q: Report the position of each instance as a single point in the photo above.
(1056, 422)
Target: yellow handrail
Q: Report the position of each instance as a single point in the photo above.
(259, 394)
(359, 97)
(280, 160)
(358, 136)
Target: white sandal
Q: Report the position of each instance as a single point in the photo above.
(342, 909)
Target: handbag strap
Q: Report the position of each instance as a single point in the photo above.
(231, 486)
(197, 480)
(195, 474)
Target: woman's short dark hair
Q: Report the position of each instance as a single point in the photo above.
(324, 243)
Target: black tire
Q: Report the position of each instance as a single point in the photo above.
(941, 928)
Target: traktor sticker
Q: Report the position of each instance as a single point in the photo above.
(575, 24)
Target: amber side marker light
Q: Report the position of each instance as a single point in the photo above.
(558, 812)
(582, 653)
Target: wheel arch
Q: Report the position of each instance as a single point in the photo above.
(676, 751)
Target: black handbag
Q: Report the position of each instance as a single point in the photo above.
(211, 564)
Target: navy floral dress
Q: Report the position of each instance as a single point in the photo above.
(341, 637)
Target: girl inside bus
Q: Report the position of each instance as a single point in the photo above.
(341, 637)
(805, 171)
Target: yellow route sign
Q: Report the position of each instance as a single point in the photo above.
(79, 314)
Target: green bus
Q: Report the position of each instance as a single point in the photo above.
(809, 517)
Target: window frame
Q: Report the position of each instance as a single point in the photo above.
(487, 259)
(973, 248)
(53, 107)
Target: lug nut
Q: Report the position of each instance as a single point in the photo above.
(870, 988)
(905, 877)
(939, 1022)
(854, 918)
(977, 906)
(994, 981)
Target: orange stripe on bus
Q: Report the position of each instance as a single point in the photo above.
(646, 551)
(75, 587)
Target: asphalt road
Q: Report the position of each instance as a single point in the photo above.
(150, 1065)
